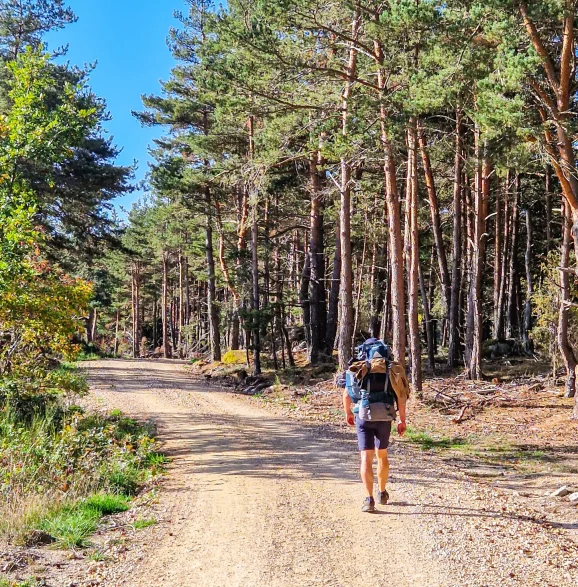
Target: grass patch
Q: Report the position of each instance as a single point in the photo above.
(105, 504)
(427, 441)
(8, 583)
(70, 526)
(98, 556)
(142, 523)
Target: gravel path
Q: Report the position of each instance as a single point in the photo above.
(253, 499)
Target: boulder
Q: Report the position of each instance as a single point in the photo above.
(573, 497)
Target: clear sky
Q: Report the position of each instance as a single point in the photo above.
(127, 39)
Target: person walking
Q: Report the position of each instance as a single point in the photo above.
(374, 387)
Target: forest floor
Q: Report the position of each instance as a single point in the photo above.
(264, 490)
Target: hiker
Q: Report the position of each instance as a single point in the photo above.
(374, 386)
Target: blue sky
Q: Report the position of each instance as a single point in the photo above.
(128, 40)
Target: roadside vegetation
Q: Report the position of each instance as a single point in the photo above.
(63, 467)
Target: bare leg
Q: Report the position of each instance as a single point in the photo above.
(367, 470)
(382, 469)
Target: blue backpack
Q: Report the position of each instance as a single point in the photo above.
(374, 386)
(371, 347)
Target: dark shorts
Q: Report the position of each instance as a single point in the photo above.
(372, 435)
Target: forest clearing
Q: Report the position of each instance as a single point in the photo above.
(340, 205)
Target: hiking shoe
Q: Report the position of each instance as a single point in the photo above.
(382, 497)
(368, 505)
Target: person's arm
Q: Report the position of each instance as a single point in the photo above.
(402, 426)
(347, 403)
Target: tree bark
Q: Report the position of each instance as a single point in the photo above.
(429, 325)
(564, 345)
(255, 299)
(512, 309)
(547, 189)
(499, 326)
(333, 309)
(454, 318)
(304, 295)
(481, 196)
(435, 220)
(317, 305)
(413, 269)
(165, 304)
(395, 241)
(136, 322)
(527, 342)
(346, 281)
(116, 332)
(212, 308)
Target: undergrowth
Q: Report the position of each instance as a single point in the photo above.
(8, 583)
(54, 457)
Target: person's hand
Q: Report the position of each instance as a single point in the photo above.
(401, 428)
(350, 419)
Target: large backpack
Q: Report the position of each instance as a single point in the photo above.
(367, 379)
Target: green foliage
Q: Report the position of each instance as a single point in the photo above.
(142, 523)
(546, 304)
(9, 583)
(40, 306)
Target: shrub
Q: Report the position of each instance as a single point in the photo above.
(234, 358)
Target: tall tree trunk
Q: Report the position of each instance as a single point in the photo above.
(155, 325)
(528, 346)
(360, 276)
(346, 282)
(413, 269)
(212, 308)
(94, 325)
(498, 269)
(181, 306)
(256, 307)
(116, 332)
(566, 350)
(547, 189)
(512, 309)
(481, 197)
(333, 309)
(502, 263)
(304, 294)
(454, 317)
(436, 223)
(165, 306)
(429, 325)
(317, 306)
(255, 299)
(395, 241)
(136, 323)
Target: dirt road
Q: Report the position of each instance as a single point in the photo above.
(251, 499)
